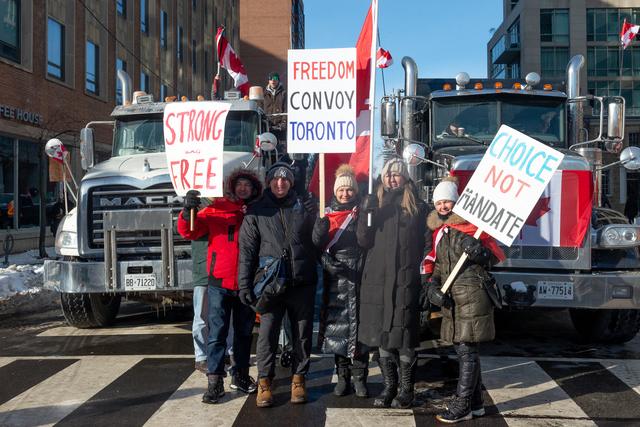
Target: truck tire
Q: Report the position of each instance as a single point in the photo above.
(609, 326)
(89, 310)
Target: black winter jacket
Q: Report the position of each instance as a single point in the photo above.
(262, 234)
(390, 290)
(342, 268)
(276, 103)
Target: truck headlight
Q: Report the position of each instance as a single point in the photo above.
(618, 236)
(67, 235)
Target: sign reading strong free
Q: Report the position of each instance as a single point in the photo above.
(321, 91)
(194, 144)
(507, 184)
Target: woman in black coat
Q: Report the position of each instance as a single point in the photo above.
(335, 236)
(390, 290)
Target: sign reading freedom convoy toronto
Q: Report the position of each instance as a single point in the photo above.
(507, 184)
(194, 144)
(321, 101)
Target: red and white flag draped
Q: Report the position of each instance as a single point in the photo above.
(383, 58)
(359, 160)
(229, 60)
(628, 33)
(57, 152)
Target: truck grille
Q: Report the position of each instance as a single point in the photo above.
(125, 197)
(541, 253)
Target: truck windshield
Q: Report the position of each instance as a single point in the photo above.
(469, 122)
(139, 136)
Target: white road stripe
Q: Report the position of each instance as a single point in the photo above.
(6, 360)
(53, 399)
(69, 331)
(185, 407)
(526, 396)
(627, 371)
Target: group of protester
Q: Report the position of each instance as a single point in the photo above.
(376, 280)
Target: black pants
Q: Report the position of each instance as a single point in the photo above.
(469, 381)
(298, 303)
(357, 366)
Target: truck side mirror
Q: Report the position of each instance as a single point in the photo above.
(267, 141)
(630, 158)
(86, 148)
(615, 122)
(413, 154)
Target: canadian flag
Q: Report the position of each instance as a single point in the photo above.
(383, 58)
(359, 160)
(628, 33)
(228, 59)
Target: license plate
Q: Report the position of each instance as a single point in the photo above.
(555, 290)
(139, 282)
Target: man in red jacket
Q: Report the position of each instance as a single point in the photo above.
(221, 221)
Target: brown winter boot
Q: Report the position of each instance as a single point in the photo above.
(264, 399)
(298, 391)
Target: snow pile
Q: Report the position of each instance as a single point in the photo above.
(21, 284)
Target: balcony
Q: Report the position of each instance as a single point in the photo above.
(506, 50)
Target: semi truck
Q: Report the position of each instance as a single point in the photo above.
(443, 127)
(121, 238)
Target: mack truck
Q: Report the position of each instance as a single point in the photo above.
(443, 127)
(121, 239)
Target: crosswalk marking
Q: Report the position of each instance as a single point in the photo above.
(628, 371)
(158, 329)
(526, 396)
(56, 397)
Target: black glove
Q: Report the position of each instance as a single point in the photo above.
(330, 264)
(191, 201)
(310, 205)
(435, 295)
(322, 226)
(477, 253)
(246, 296)
(369, 203)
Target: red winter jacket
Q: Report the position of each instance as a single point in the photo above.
(221, 220)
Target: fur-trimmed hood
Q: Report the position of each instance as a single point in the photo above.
(434, 221)
(246, 174)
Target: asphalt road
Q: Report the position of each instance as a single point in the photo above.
(140, 372)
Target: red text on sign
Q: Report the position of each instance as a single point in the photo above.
(505, 183)
(194, 175)
(194, 126)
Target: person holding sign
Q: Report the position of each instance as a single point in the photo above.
(389, 304)
(220, 222)
(467, 313)
(342, 259)
(278, 226)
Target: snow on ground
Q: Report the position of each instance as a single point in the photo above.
(21, 284)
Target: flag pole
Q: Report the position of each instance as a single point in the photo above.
(322, 186)
(372, 93)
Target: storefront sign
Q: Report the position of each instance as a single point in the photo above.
(20, 115)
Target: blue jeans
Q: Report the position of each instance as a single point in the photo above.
(199, 329)
(224, 308)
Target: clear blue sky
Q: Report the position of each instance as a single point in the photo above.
(443, 37)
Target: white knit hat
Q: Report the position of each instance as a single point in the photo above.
(446, 190)
(345, 177)
(396, 165)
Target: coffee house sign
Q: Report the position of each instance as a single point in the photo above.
(20, 115)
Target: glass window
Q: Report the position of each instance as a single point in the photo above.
(121, 8)
(194, 56)
(10, 29)
(604, 61)
(604, 24)
(55, 49)
(144, 16)
(29, 171)
(7, 162)
(144, 81)
(554, 25)
(92, 68)
(179, 46)
(553, 61)
(121, 64)
(163, 29)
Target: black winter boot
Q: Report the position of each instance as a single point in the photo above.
(359, 381)
(344, 382)
(404, 399)
(390, 378)
(477, 402)
(459, 409)
(215, 389)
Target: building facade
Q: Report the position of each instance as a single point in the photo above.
(267, 33)
(542, 35)
(58, 63)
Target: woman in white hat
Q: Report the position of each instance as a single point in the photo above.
(390, 290)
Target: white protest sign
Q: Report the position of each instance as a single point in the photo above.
(321, 109)
(194, 144)
(507, 184)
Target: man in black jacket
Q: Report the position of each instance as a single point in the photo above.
(275, 106)
(280, 216)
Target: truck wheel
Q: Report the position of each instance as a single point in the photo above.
(89, 310)
(610, 326)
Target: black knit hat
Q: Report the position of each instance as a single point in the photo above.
(280, 170)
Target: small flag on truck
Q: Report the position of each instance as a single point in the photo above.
(628, 33)
(383, 58)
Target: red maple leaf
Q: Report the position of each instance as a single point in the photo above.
(541, 208)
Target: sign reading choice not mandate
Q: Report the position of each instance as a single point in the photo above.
(321, 111)
(507, 184)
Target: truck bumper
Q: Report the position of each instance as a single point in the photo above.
(89, 277)
(610, 289)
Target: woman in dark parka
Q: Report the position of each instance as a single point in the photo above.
(342, 260)
(390, 290)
